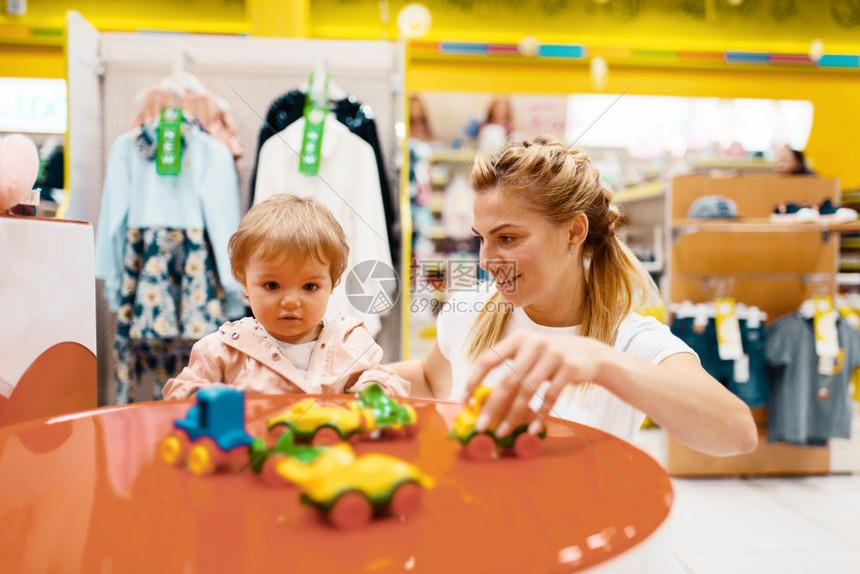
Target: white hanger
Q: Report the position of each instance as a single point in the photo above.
(180, 80)
(335, 92)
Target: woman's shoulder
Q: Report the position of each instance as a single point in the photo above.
(648, 339)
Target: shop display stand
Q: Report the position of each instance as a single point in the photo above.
(771, 264)
(107, 69)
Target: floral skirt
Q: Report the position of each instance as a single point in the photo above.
(170, 297)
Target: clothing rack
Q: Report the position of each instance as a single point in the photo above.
(771, 267)
(107, 69)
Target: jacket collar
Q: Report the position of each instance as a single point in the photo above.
(332, 134)
(248, 337)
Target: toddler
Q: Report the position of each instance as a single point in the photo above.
(288, 254)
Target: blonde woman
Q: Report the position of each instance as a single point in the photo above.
(559, 320)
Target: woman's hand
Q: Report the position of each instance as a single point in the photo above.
(537, 364)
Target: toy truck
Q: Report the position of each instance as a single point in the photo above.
(372, 414)
(212, 434)
(351, 490)
(483, 446)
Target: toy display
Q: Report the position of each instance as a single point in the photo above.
(351, 490)
(483, 446)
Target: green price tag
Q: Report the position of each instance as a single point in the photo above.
(168, 155)
(315, 113)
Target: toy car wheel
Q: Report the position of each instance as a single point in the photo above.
(238, 458)
(173, 448)
(326, 436)
(269, 474)
(351, 510)
(205, 457)
(276, 432)
(392, 433)
(481, 447)
(526, 445)
(406, 500)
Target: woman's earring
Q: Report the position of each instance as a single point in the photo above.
(573, 249)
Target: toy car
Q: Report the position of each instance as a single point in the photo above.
(389, 417)
(350, 490)
(372, 414)
(483, 446)
(265, 459)
(212, 434)
(322, 424)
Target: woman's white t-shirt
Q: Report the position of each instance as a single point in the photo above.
(642, 337)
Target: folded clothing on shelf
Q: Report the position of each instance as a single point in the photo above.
(827, 212)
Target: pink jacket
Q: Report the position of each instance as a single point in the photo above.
(240, 354)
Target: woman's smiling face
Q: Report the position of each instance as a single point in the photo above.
(526, 254)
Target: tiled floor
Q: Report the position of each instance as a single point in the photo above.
(763, 525)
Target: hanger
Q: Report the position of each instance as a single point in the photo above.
(180, 80)
(817, 285)
(319, 78)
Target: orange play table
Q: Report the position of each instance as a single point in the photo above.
(87, 493)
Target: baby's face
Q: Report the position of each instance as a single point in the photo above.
(289, 297)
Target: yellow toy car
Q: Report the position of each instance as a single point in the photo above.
(321, 424)
(373, 414)
(483, 446)
(350, 490)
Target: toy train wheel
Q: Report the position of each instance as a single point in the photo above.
(481, 447)
(269, 474)
(326, 436)
(406, 500)
(526, 445)
(174, 448)
(205, 457)
(351, 510)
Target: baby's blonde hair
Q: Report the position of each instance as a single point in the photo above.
(286, 226)
(558, 182)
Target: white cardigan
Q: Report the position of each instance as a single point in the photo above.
(347, 183)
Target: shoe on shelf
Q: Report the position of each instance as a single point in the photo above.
(836, 213)
(794, 213)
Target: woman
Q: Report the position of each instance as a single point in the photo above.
(559, 320)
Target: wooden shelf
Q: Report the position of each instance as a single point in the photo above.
(641, 192)
(760, 225)
(453, 156)
(742, 163)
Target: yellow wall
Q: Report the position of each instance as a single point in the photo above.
(658, 23)
(833, 94)
(657, 26)
(204, 16)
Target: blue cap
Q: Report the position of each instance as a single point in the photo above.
(713, 207)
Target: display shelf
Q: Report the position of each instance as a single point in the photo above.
(740, 163)
(852, 197)
(770, 270)
(847, 265)
(850, 243)
(641, 192)
(453, 156)
(760, 225)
